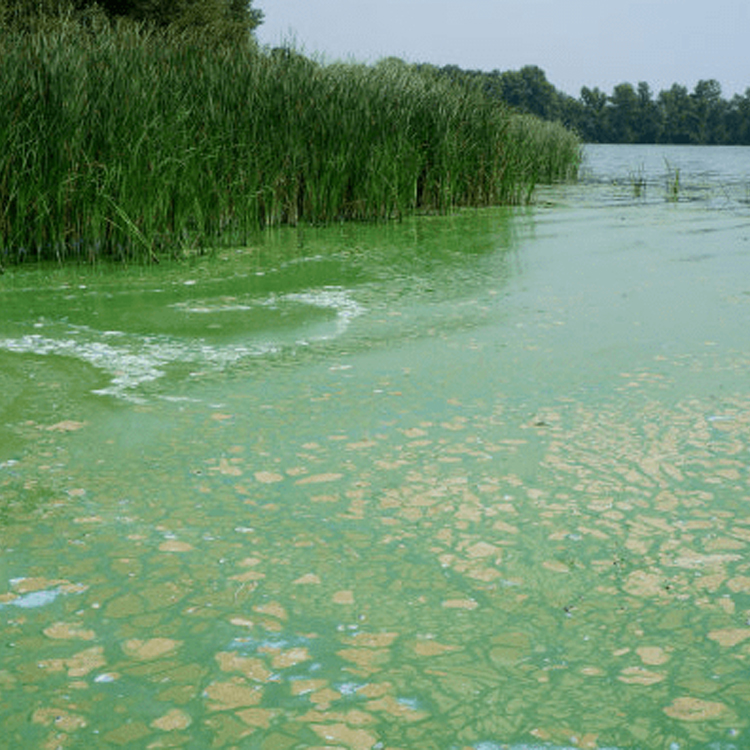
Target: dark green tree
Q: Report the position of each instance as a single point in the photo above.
(737, 120)
(528, 90)
(570, 112)
(708, 113)
(623, 115)
(595, 124)
(648, 127)
(185, 13)
(492, 84)
(227, 18)
(677, 109)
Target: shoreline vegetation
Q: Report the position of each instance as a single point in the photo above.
(127, 143)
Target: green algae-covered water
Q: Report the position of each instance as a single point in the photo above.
(456, 483)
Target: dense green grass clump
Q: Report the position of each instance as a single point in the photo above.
(123, 143)
(544, 150)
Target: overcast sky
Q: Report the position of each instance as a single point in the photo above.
(576, 42)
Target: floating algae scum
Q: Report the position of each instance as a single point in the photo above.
(475, 481)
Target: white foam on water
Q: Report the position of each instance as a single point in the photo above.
(334, 298)
(208, 309)
(327, 298)
(133, 360)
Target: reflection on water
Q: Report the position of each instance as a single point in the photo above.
(469, 482)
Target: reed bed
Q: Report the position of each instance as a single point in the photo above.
(544, 151)
(127, 144)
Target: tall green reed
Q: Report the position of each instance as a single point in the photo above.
(673, 182)
(123, 143)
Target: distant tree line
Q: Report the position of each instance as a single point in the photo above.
(229, 20)
(628, 115)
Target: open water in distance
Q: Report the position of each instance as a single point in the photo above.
(455, 483)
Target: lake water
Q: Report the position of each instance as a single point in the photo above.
(469, 482)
